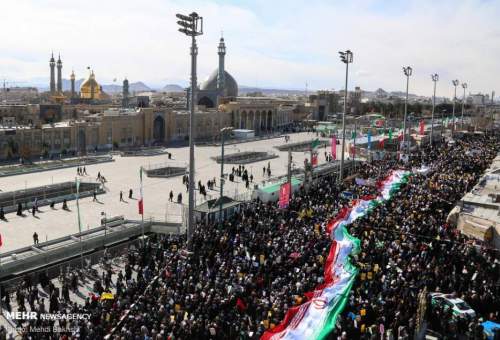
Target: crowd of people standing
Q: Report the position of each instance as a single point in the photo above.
(238, 280)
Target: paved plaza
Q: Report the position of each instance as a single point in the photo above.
(122, 175)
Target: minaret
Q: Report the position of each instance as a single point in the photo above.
(59, 74)
(125, 93)
(92, 86)
(52, 64)
(221, 50)
(72, 78)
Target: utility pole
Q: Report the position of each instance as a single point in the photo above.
(407, 71)
(191, 26)
(354, 147)
(435, 78)
(289, 173)
(346, 57)
(222, 133)
(4, 92)
(221, 180)
(491, 110)
(455, 84)
(464, 86)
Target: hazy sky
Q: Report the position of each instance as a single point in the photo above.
(270, 43)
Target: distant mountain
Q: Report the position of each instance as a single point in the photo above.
(172, 88)
(66, 84)
(139, 87)
(110, 88)
(242, 90)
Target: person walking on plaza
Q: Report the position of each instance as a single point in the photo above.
(130, 193)
(84, 171)
(95, 196)
(33, 210)
(171, 196)
(121, 196)
(35, 238)
(179, 198)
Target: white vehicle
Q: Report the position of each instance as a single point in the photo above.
(459, 307)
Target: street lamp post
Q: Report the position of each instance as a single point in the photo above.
(192, 26)
(346, 58)
(455, 84)
(222, 134)
(464, 86)
(105, 228)
(435, 78)
(407, 71)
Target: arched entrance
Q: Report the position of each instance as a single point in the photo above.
(243, 124)
(269, 120)
(82, 142)
(207, 102)
(159, 129)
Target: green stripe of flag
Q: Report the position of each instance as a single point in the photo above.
(315, 143)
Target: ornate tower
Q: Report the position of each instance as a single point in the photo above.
(92, 85)
(125, 93)
(52, 64)
(72, 78)
(221, 50)
(59, 74)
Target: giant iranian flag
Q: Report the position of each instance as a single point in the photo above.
(316, 318)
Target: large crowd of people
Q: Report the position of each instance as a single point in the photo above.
(237, 280)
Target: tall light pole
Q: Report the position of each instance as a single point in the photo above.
(346, 58)
(455, 84)
(192, 26)
(106, 229)
(435, 78)
(407, 71)
(222, 135)
(464, 86)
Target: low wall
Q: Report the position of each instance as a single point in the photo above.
(14, 170)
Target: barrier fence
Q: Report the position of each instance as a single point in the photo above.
(74, 265)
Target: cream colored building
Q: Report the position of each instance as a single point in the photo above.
(260, 114)
(478, 212)
(86, 128)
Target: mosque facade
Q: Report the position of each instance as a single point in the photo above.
(218, 85)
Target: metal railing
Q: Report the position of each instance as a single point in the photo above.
(46, 194)
(20, 169)
(63, 269)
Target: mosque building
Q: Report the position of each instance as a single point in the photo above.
(90, 90)
(219, 84)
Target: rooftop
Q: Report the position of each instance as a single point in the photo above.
(483, 201)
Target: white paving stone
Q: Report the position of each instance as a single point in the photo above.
(123, 174)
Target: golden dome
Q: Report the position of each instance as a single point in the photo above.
(90, 88)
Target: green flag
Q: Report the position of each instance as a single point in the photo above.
(390, 134)
(315, 143)
(353, 135)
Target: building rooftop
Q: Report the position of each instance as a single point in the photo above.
(484, 199)
(120, 112)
